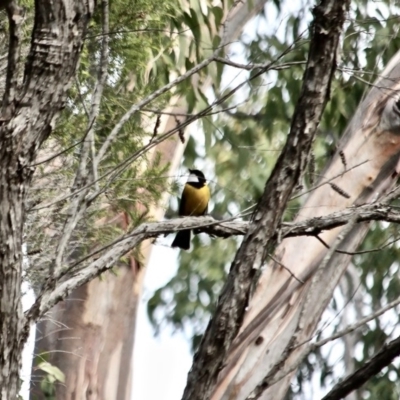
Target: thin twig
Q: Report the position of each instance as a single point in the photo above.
(286, 268)
(80, 204)
(115, 131)
(354, 253)
(372, 367)
(251, 67)
(117, 128)
(328, 181)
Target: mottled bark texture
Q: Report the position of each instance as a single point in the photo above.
(329, 17)
(28, 116)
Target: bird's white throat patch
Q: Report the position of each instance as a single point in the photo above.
(193, 178)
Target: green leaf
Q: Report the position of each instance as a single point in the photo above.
(52, 370)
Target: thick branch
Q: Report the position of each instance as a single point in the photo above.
(328, 20)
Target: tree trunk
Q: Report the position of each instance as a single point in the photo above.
(92, 334)
(12, 190)
(27, 117)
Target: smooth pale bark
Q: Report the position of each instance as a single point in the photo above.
(284, 312)
(91, 332)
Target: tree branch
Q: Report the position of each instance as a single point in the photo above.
(379, 361)
(356, 325)
(105, 258)
(251, 66)
(79, 204)
(139, 106)
(329, 17)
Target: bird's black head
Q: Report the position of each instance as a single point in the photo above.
(198, 174)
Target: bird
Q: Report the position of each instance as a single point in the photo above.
(194, 202)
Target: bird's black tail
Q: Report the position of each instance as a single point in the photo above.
(182, 240)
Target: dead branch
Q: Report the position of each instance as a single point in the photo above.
(105, 258)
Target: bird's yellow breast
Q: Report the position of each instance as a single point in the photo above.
(194, 200)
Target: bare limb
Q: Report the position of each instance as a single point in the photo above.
(232, 227)
(353, 253)
(121, 167)
(356, 325)
(176, 114)
(102, 259)
(135, 108)
(372, 367)
(327, 181)
(251, 67)
(101, 80)
(170, 85)
(285, 268)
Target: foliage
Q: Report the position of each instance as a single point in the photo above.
(52, 377)
(138, 34)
